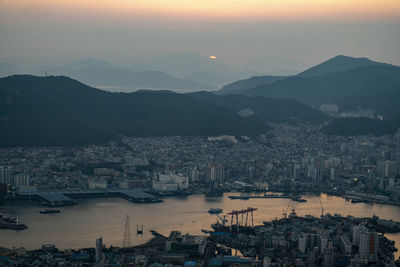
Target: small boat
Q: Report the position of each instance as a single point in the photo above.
(215, 210)
(47, 211)
(205, 231)
(299, 199)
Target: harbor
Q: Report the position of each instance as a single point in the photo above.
(77, 226)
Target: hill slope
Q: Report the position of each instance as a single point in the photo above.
(266, 109)
(48, 111)
(240, 86)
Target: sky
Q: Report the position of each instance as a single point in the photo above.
(237, 32)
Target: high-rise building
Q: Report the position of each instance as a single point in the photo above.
(194, 175)
(398, 152)
(99, 249)
(356, 235)
(368, 245)
(329, 257)
(215, 174)
(21, 180)
(294, 170)
(6, 175)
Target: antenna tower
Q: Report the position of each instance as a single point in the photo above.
(127, 234)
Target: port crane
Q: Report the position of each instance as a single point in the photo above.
(245, 212)
(284, 212)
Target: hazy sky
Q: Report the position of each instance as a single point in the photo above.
(236, 31)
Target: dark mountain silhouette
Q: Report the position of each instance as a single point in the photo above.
(266, 109)
(339, 63)
(335, 64)
(56, 111)
(241, 86)
(343, 88)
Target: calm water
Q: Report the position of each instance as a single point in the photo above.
(79, 226)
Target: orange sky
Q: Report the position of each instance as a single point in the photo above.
(222, 9)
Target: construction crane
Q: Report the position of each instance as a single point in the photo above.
(284, 212)
(322, 207)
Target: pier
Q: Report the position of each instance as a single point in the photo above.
(67, 197)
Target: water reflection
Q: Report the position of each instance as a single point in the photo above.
(80, 225)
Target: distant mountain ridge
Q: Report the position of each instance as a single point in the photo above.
(336, 64)
(334, 87)
(104, 74)
(340, 63)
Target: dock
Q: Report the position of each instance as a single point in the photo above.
(57, 198)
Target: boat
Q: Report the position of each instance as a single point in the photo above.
(13, 226)
(47, 211)
(299, 199)
(215, 210)
(205, 231)
(11, 223)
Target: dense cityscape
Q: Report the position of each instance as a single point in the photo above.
(291, 159)
(286, 163)
(200, 133)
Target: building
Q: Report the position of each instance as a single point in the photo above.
(97, 184)
(186, 244)
(164, 186)
(368, 247)
(215, 175)
(6, 175)
(398, 152)
(329, 256)
(345, 245)
(356, 235)
(99, 249)
(308, 241)
(21, 180)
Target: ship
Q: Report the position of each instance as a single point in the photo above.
(11, 223)
(242, 197)
(299, 199)
(215, 210)
(46, 211)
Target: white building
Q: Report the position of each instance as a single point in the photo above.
(170, 182)
(164, 186)
(97, 184)
(180, 180)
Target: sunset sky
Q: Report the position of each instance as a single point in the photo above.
(233, 30)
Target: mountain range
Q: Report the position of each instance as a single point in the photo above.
(350, 83)
(59, 111)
